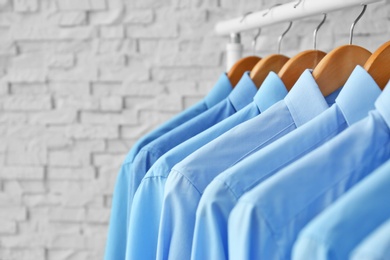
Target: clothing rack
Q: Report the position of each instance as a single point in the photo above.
(274, 15)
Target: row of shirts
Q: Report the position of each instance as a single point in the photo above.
(259, 174)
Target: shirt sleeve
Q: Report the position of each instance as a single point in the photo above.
(210, 233)
(177, 223)
(249, 235)
(142, 235)
(376, 246)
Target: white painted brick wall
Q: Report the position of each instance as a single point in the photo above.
(82, 80)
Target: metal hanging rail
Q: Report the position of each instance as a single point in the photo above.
(284, 13)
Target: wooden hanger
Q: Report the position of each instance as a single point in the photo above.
(334, 69)
(293, 69)
(309, 59)
(270, 63)
(377, 65)
(242, 65)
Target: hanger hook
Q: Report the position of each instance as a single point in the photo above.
(316, 31)
(354, 23)
(244, 16)
(254, 41)
(282, 36)
(299, 2)
(269, 9)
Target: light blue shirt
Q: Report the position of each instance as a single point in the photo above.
(143, 223)
(352, 104)
(340, 228)
(116, 239)
(377, 245)
(265, 222)
(188, 179)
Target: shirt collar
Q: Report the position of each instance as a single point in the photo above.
(219, 92)
(271, 91)
(305, 100)
(243, 92)
(382, 104)
(358, 95)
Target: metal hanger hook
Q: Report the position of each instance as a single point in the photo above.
(299, 2)
(316, 31)
(254, 41)
(244, 16)
(269, 9)
(282, 36)
(354, 23)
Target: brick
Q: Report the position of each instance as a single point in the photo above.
(64, 254)
(83, 103)
(154, 31)
(67, 242)
(142, 89)
(12, 118)
(7, 228)
(67, 214)
(24, 186)
(39, 200)
(8, 48)
(109, 46)
(118, 146)
(25, 5)
(73, 75)
(111, 61)
(4, 89)
(86, 173)
(101, 216)
(188, 59)
(107, 160)
(72, 18)
(28, 89)
(139, 17)
(130, 73)
(70, 157)
(182, 88)
(107, 89)
(96, 241)
(31, 241)
(29, 61)
(112, 103)
(70, 88)
(22, 173)
(7, 199)
(109, 17)
(63, 61)
(57, 228)
(26, 75)
(35, 155)
(112, 32)
(51, 33)
(87, 131)
(54, 117)
(15, 213)
(86, 5)
(22, 254)
(124, 118)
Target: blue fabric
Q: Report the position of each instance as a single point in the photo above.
(116, 239)
(188, 179)
(354, 102)
(265, 222)
(142, 224)
(340, 228)
(377, 245)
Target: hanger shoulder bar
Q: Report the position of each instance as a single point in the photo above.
(284, 13)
